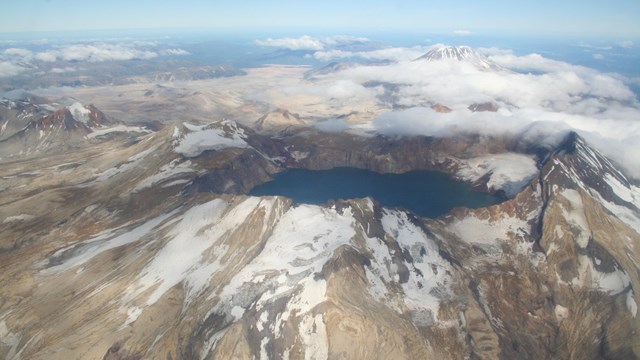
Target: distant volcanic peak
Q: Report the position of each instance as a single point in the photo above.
(278, 118)
(437, 107)
(58, 118)
(89, 115)
(330, 68)
(460, 53)
(450, 52)
(287, 114)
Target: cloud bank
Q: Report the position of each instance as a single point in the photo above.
(16, 60)
(90, 53)
(307, 42)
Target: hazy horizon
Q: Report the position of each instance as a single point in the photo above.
(593, 18)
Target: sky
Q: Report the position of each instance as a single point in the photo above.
(612, 18)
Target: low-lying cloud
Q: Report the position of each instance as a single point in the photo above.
(96, 53)
(16, 60)
(307, 42)
(8, 69)
(390, 53)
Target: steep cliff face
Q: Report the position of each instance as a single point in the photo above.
(557, 265)
(136, 262)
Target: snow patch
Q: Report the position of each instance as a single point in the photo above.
(612, 283)
(237, 312)
(167, 172)
(299, 155)
(487, 232)
(263, 349)
(175, 182)
(264, 317)
(9, 339)
(576, 217)
(79, 253)
(133, 314)
(212, 137)
(16, 218)
(509, 172)
(130, 164)
(626, 215)
(631, 303)
(561, 312)
(313, 334)
(182, 257)
(621, 190)
(118, 129)
(428, 282)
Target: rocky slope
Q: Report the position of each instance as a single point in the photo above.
(150, 250)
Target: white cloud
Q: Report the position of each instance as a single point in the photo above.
(627, 44)
(333, 125)
(392, 53)
(598, 56)
(333, 54)
(176, 52)
(302, 43)
(585, 45)
(18, 52)
(617, 139)
(344, 89)
(494, 51)
(462, 32)
(86, 52)
(8, 69)
(46, 56)
(15, 60)
(103, 52)
(67, 69)
(307, 42)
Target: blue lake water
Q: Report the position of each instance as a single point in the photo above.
(425, 193)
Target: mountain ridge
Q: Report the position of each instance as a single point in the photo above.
(177, 262)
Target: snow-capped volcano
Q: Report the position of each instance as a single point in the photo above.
(460, 53)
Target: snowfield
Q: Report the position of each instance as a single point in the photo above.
(509, 172)
(210, 137)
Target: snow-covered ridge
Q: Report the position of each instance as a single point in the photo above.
(201, 243)
(118, 129)
(216, 136)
